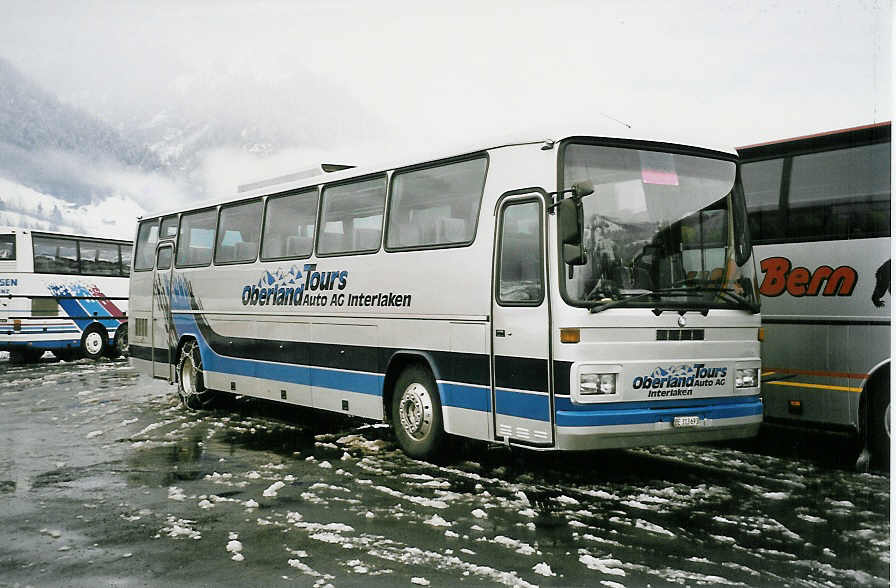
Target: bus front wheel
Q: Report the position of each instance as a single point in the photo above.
(417, 413)
(190, 382)
(93, 341)
(25, 356)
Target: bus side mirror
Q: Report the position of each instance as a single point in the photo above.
(571, 227)
(581, 189)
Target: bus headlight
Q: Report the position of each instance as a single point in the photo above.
(597, 384)
(746, 377)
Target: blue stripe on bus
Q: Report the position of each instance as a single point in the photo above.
(97, 311)
(523, 405)
(634, 416)
(55, 344)
(42, 331)
(461, 396)
(73, 309)
(293, 374)
(361, 383)
(564, 403)
(509, 402)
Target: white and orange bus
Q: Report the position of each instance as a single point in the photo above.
(819, 209)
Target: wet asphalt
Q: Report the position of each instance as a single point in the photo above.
(105, 480)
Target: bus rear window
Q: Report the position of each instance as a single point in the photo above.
(7, 247)
(147, 239)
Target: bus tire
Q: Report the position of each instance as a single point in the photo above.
(417, 413)
(66, 354)
(120, 348)
(879, 421)
(190, 383)
(25, 356)
(94, 341)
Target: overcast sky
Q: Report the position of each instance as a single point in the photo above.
(370, 78)
(741, 71)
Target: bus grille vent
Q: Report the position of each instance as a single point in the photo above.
(141, 327)
(679, 334)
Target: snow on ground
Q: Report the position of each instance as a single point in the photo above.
(339, 503)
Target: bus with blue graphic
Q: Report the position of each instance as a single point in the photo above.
(62, 293)
(571, 293)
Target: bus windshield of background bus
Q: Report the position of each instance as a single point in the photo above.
(659, 222)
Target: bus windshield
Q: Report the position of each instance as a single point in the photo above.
(661, 229)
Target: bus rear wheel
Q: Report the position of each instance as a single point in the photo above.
(190, 382)
(120, 348)
(93, 341)
(879, 422)
(417, 413)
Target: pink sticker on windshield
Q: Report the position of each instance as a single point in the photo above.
(658, 168)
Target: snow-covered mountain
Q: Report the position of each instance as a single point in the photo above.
(26, 208)
(205, 133)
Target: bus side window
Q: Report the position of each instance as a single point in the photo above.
(147, 238)
(352, 217)
(762, 187)
(289, 225)
(520, 261)
(835, 194)
(169, 227)
(7, 247)
(436, 206)
(196, 238)
(55, 256)
(238, 233)
(126, 252)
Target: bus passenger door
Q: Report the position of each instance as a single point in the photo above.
(521, 395)
(162, 320)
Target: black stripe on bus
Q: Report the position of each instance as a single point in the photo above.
(521, 373)
(145, 353)
(561, 377)
(467, 368)
(841, 322)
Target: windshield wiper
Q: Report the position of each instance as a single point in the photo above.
(738, 298)
(652, 293)
(729, 293)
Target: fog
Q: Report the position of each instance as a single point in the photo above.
(228, 92)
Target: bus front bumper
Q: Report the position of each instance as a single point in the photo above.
(602, 429)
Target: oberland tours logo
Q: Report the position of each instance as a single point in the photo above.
(309, 287)
(680, 380)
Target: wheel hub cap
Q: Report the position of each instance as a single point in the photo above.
(94, 342)
(887, 420)
(415, 411)
(186, 376)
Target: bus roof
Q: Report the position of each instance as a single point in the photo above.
(6, 230)
(302, 179)
(874, 129)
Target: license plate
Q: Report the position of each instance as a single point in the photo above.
(686, 421)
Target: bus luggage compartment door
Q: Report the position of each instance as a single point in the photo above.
(521, 395)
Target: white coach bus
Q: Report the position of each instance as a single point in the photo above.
(471, 296)
(62, 293)
(819, 209)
